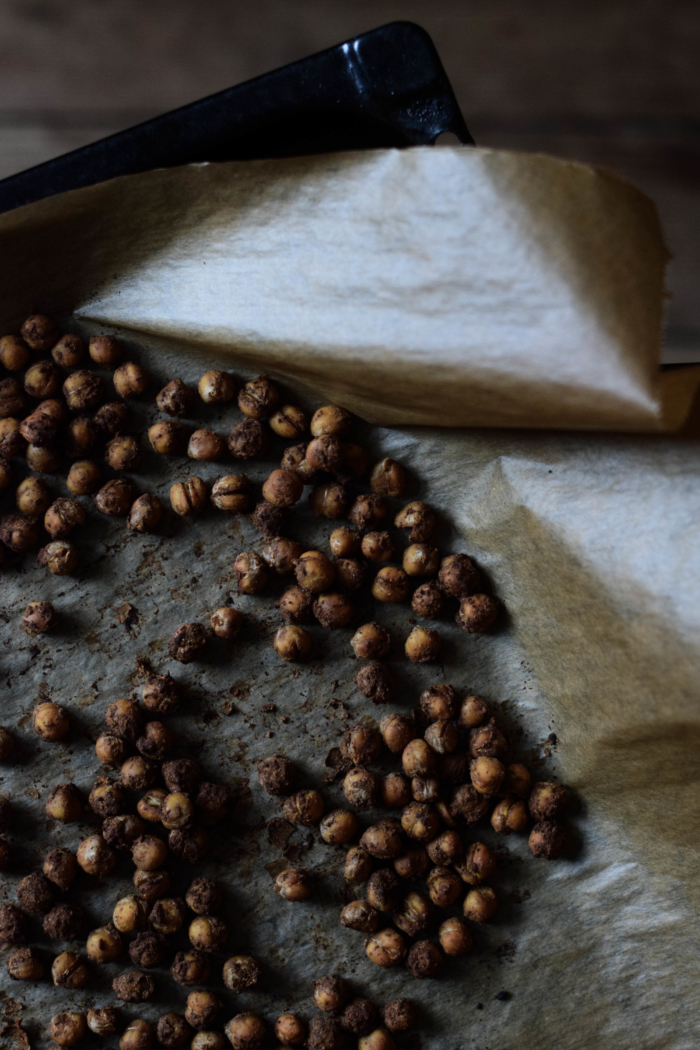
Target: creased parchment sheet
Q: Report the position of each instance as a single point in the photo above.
(512, 290)
(592, 542)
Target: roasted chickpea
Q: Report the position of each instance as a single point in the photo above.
(95, 857)
(289, 422)
(377, 546)
(314, 572)
(105, 350)
(355, 459)
(65, 803)
(216, 388)
(205, 445)
(344, 542)
(371, 641)
(112, 418)
(417, 517)
(338, 827)
(304, 808)
(251, 573)
(479, 864)
(69, 971)
(130, 914)
(25, 964)
(386, 948)
(421, 560)
(331, 994)
(293, 884)
(138, 1035)
(325, 453)
(14, 353)
(138, 773)
(383, 890)
(175, 399)
(420, 821)
(258, 398)
(248, 440)
(20, 532)
(391, 584)
(362, 788)
(13, 400)
(131, 380)
(517, 780)
(83, 478)
(547, 801)
(67, 1028)
(173, 1030)
(290, 1030)
(383, 840)
(283, 488)
(115, 498)
(358, 865)
(480, 904)
(296, 605)
(227, 623)
(103, 1021)
(188, 497)
(11, 441)
(150, 885)
(104, 945)
(418, 759)
(412, 863)
(388, 478)
(444, 886)
(245, 1031)
(330, 420)
(42, 380)
(187, 643)
(39, 333)
(167, 439)
(39, 618)
(329, 500)
(395, 791)
(83, 390)
(547, 839)
(292, 643)
(50, 721)
(360, 916)
(477, 613)
(232, 494)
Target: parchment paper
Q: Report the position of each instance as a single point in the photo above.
(592, 543)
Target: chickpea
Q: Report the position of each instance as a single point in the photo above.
(473, 712)
(421, 560)
(167, 915)
(391, 584)
(383, 840)
(216, 388)
(367, 512)
(187, 644)
(130, 914)
(103, 1021)
(95, 857)
(205, 445)
(417, 517)
(338, 827)
(175, 399)
(150, 885)
(283, 488)
(105, 350)
(25, 964)
(14, 353)
(360, 916)
(138, 773)
(446, 849)
(60, 558)
(227, 623)
(547, 839)
(304, 808)
(39, 430)
(420, 821)
(477, 613)
(39, 333)
(444, 886)
(425, 788)
(232, 493)
(358, 865)
(412, 863)
(329, 500)
(378, 1039)
(487, 774)
(480, 904)
(208, 1041)
(83, 478)
(280, 554)
(489, 741)
(167, 439)
(131, 380)
(241, 972)
(377, 546)
(258, 398)
(148, 852)
(383, 890)
(290, 1030)
(375, 682)
(20, 532)
(442, 736)
(314, 572)
(13, 400)
(248, 440)
(43, 460)
(292, 643)
(39, 618)
(331, 994)
(104, 945)
(289, 422)
(67, 1028)
(112, 418)
(418, 759)
(330, 420)
(548, 801)
(69, 971)
(293, 884)
(138, 1035)
(386, 948)
(11, 441)
(83, 390)
(296, 605)
(65, 803)
(344, 542)
(50, 721)
(454, 936)
(190, 968)
(107, 799)
(509, 815)
(362, 788)
(371, 641)
(479, 864)
(517, 780)
(188, 497)
(176, 811)
(115, 498)
(388, 478)
(324, 453)
(395, 791)
(245, 1031)
(458, 576)
(173, 1030)
(350, 573)
(251, 573)
(414, 914)
(42, 380)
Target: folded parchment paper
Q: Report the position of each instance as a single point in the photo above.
(591, 540)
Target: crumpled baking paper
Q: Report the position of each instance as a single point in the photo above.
(591, 540)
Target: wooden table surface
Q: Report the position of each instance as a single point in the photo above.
(612, 82)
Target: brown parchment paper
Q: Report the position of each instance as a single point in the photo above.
(592, 542)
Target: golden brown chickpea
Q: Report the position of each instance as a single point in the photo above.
(42, 380)
(444, 886)
(176, 811)
(294, 885)
(358, 865)
(421, 560)
(32, 496)
(362, 788)
(314, 572)
(377, 546)
(227, 623)
(395, 791)
(115, 498)
(548, 801)
(359, 915)
(473, 712)
(103, 1021)
(486, 774)
(43, 460)
(175, 399)
(333, 610)
(39, 430)
(330, 420)
(391, 584)
(383, 840)
(208, 1041)
(480, 904)
(397, 732)
(447, 848)
(104, 945)
(454, 936)
(417, 517)
(60, 558)
(148, 852)
(329, 500)
(386, 948)
(138, 773)
(39, 332)
(216, 388)
(206, 445)
(258, 398)
(413, 914)
(83, 478)
(350, 573)
(65, 803)
(138, 1035)
(547, 840)
(245, 1031)
(517, 780)
(388, 478)
(283, 488)
(207, 933)
(148, 807)
(420, 821)
(13, 400)
(95, 857)
(425, 789)
(14, 353)
(344, 542)
(324, 453)
(105, 350)
(69, 971)
(188, 497)
(331, 994)
(25, 964)
(150, 885)
(131, 380)
(371, 641)
(338, 827)
(11, 441)
(145, 514)
(412, 863)
(83, 391)
(62, 517)
(418, 759)
(379, 1039)
(280, 554)
(251, 573)
(130, 914)
(290, 1030)
(68, 351)
(289, 422)
(304, 808)
(112, 418)
(477, 613)
(296, 605)
(509, 815)
(67, 1028)
(423, 645)
(442, 736)
(367, 512)
(167, 915)
(50, 721)
(232, 493)
(167, 438)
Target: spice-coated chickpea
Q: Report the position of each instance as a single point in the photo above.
(81, 436)
(187, 643)
(50, 721)
(304, 808)
(360, 916)
(473, 712)
(176, 811)
(361, 745)
(145, 514)
(477, 613)
(383, 840)
(232, 493)
(292, 643)
(480, 904)
(418, 759)
(43, 460)
(241, 972)
(11, 441)
(131, 380)
(42, 380)
(137, 773)
(205, 897)
(294, 458)
(68, 351)
(371, 641)
(182, 774)
(444, 886)
(13, 925)
(314, 572)
(397, 732)
(251, 573)
(547, 839)
(67, 1028)
(517, 781)
(216, 388)
(83, 477)
(425, 788)
(424, 959)
(391, 584)
(227, 623)
(378, 1039)
(330, 420)
(208, 1041)
(60, 558)
(104, 945)
(367, 512)
(375, 682)
(65, 803)
(458, 576)
(115, 498)
(468, 804)
(388, 478)
(105, 350)
(83, 390)
(417, 517)
(40, 430)
(136, 986)
(446, 848)
(174, 1031)
(13, 400)
(413, 914)
(175, 399)
(25, 964)
(258, 398)
(421, 560)
(487, 740)
(205, 445)
(350, 573)
(454, 937)
(148, 949)
(268, 519)
(344, 542)
(112, 418)
(358, 865)
(338, 827)
(377, 546)
(293, 884)
(479, 864)
(95, 857)
(283, 488)
(69, 971)
(289, 422)
(246, 1031)
(14, 353)
(386, 948)
(442, 736)
(39, 332)
(362, 788)
(296, 605)
(62, 517)
(280, 554)
(509, 815)
(548, 801)
(329, 500)
(103, 1020)
(383, 890)
(333, 610)
(107, 799)
(150, 885)
(188, 497)
(35, 894)
(423, 645)
(138, 1035)
(167, 438)
(20, 532)
(148, 852)
(39, 618)
(130, 914)
(124, 718)
(420, 821)
(330, 994)
(167, 915)
(325, 453)
(395, 791)
(248, 440)
(208, 933)
(486, 774)
(290, 1030)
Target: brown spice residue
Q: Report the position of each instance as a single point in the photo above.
(127, 614)
(279, 832)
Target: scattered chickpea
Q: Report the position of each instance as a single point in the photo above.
(216, 388)
(304, 808)
(378, 1039)
(246, 1031)
(43, 460)
(105, 350)
(251, 573)
(83, 390)
(131, 380)
(350, 573)
(150, 885)
(280, 554)
(83, 478)
(248, 440)
(547, 801)
(145, 515)
(205, 445)
(20, 532)
(258, 398)
(421, 560)
(176, 811)
(227, 623)
(188, 497)
(283, 488)
(62, 517)
(13, 925)
(104, 945)
(138, 1035)
(447, 848)
(67, 1028)
(371, 641)
(517, 781)
(420, 821)
(173, 1030)
(423, 645)
(547, 839)
(134, 986)
(330, 420)
(292, 643)
(204, 897)
(232, 493)
(331, 994)
(377, 546)
(11, 441)
(50, 721)
(338, 827)
(208, 1041)
(277, 775)
(188, 642)
(375, 682)
(112, 418)
(383, 840)
(362, 788)
(414, 914)
(41, 430)
(477, 613)
(25, 964)
(59, 557)
(480, 904)
(42, 380)
(391, 584)
(14, 353)
(293, 884)
(509, 815)
(39, 618)
(383, 890)
(487, 774)
(148, 852)
(130, 914)
(360, 916)
(167, 439)
(121, 832)
(107, 799)
(325, 453)
(289, 422)
(95, 857)
(386, 948)
(388, 478)
(358, 865)
(39, 332)
(103, 1020)
(488, 740)
(290, 1030)
(296, 605)
(137, 773)
(417, 517)
(367, 512)
(65, 803)
(395, 791)
(473, 712)
(175, 399)
(418, 758)
(115, 498)
(344, 542)
(444, 886)
(326, 1033)
(424, 959)
(69, 971)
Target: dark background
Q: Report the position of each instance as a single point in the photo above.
(612, 82)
